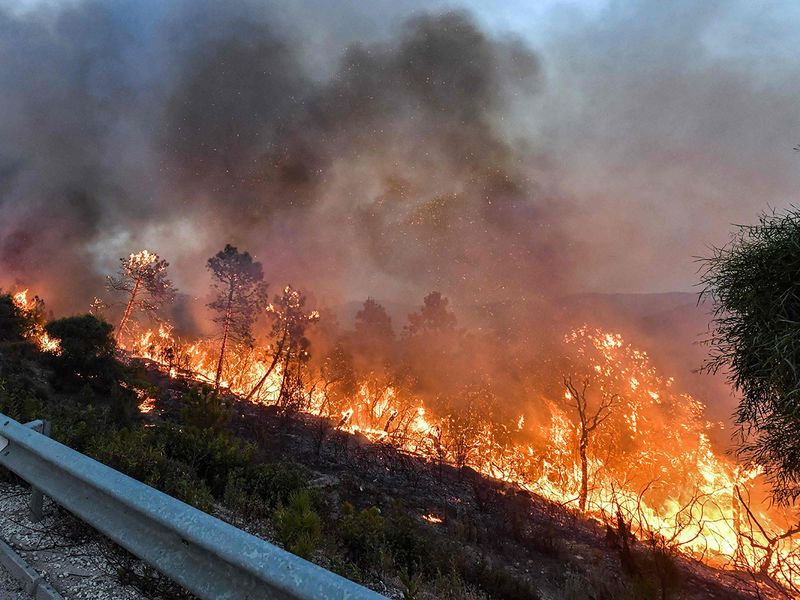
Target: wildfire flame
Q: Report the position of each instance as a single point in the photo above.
(37, 334)
(664, 477)
(433, 519)
(672, 484)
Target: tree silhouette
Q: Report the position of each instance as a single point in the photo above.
(240, 294)
(373, 338)
(143, 278)
(434, 315)
(373, 326)
(86, 351)
(589, 420)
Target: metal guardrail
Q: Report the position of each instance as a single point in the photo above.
(208, 557)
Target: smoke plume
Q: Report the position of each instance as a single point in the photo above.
(385, 172)
(389, 150)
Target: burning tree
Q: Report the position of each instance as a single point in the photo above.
(458, 436)
(240, 294)
(339, 383)
(143, 278)
(289, 323)
(763, 550)
(19, 316)
(590, 418)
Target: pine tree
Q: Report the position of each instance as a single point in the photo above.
(240, 295)
(143, 278)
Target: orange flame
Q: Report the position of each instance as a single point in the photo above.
(668, 481)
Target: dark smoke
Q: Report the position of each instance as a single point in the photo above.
(384, 150)
(385, 172)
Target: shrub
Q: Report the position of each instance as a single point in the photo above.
(545, 540)
(297, 525)
(87, 352)
(659, 572)
(453, 587)
(754, 339)
(255, 490)
(410, 549)
(211, 454)
(78, 426)
(140, 454)
(499, 582)
(410, 585)
(203, 409)
(346, 568)
(15, 322)
(362, 533)
(19, 402)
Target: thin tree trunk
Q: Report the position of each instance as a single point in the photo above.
(275, 360)
(584, 470)
(225, 329)
(283, 378)
(128, 309)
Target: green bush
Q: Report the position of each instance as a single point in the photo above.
(86, 355)
(255, 490)
(499, 582)
(755, 340)
(362, 532)
(204, 409)
(410, 548)
(77, 426)
(212, 455)
(297, 525)
(341, 565)
(410, 585)
(140, 453)
(19, 402)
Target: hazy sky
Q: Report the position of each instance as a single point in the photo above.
(639, 130)
(669, 121)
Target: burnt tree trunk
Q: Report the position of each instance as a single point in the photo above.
(275, 359)
(588, 423)
(584, 492)
(128, 309)
(225, 331)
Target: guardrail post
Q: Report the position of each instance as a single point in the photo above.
(37, 498)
